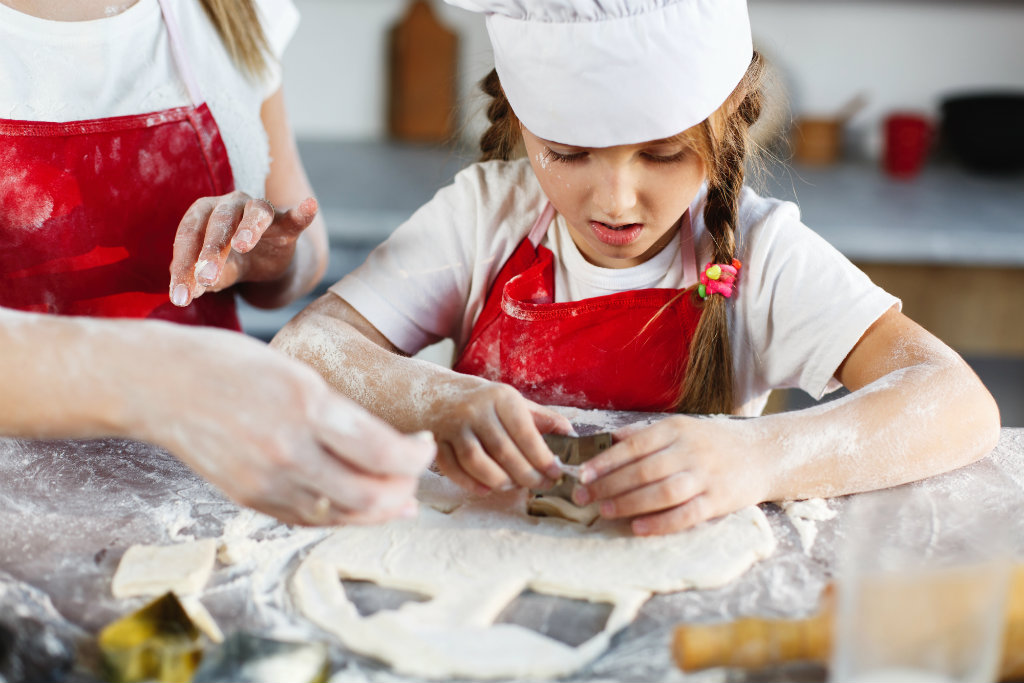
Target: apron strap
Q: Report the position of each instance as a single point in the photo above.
(540, 228)
(179, 54)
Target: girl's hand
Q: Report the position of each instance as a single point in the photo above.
(234, 238)
(674, 474)
(489, 437)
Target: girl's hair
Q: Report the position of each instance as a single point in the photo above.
(239, 28)
(721, 141)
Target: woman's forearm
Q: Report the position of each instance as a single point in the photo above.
(65, 377)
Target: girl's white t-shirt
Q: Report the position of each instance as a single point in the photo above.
(122, 65)
(799, 307)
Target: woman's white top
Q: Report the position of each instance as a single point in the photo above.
(121, 65)
(798, 310)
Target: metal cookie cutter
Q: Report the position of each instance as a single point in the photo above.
(571, 451)
(159, 642)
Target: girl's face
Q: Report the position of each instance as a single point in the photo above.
(623, 204)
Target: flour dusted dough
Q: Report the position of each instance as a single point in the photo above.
(475, 560)
(154, 569)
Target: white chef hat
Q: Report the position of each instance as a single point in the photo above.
(597, 73)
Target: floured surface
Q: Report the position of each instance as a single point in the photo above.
(69, 510)
(474, 561)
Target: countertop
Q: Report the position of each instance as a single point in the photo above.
(944, 216)
(69, 510)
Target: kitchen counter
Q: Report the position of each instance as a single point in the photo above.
(945, 216)
(69, 510)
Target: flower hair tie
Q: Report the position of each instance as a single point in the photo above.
(718, 278)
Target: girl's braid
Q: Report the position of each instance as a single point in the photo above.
(708, 386)
(500, 139)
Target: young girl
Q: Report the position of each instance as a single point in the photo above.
(115, 122)
(623, 265)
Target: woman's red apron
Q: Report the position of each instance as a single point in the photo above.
(623, 351)
(89, 209)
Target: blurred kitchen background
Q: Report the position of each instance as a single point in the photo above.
(879, 136)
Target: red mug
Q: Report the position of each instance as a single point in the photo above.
(908, 138)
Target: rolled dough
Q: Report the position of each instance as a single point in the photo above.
(478, 558)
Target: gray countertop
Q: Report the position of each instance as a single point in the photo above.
(944, 216)
(69, 510)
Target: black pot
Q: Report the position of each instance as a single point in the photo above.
(985, 131)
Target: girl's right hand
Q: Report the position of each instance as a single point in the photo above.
(489, 437)
(272, 435)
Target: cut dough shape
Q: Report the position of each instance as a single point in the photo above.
(155, 569)
(553, 506)
(474, 561)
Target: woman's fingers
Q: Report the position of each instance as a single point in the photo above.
(368, 443)
(300, 217)
(257, 216)
(351, 491)
(188, 242)
(216, 241)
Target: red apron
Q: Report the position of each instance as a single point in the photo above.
(89, 209)
(623, 351)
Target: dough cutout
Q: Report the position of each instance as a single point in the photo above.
(476, 560)
(147, 570)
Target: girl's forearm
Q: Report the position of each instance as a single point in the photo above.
(912, 423)
(400, 390)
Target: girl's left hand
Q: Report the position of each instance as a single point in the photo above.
(234, 238)
(674, 474)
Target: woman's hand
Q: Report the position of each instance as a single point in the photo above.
(270, 433)
(489, 437)
(674, 474)
(234, 238)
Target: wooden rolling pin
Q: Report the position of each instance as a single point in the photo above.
(755, 644)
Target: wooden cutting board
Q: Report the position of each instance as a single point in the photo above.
(422, 54)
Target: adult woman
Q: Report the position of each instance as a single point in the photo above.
(107, 141)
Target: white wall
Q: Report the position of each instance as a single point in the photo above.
(901, 55)
(336, 69)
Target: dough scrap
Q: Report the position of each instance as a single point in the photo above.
(477, 559)
(805, 515)
(147, 570)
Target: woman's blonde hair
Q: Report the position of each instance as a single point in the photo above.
(721, 141)
(239, 28)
